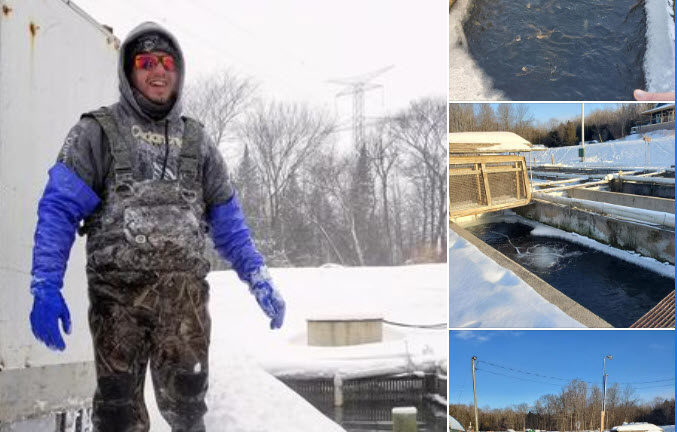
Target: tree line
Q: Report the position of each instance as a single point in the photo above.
(309, 202)
(576, 407)
(601, 125)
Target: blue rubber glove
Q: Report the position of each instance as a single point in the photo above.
(48, 308)
(268, 298)
(233, 241)
(64, 203)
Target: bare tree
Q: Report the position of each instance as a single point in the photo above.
(217, 100)
(281, 137)
(384, 154)
(421, 130)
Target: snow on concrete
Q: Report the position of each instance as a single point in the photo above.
(467, 81)
(484, 294)
(659, 59)
(628, 152)
(243, 395)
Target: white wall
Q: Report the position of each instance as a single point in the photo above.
(46, 81)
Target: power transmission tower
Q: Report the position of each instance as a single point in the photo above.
(357, 86)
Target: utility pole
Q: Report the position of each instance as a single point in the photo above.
(604, 375)
(474, 391)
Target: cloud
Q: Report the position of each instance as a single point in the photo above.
(477, 335)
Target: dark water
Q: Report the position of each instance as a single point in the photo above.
(363, 417)
(617, 291)
(559, 49)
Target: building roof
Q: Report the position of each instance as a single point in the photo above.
(660, 107)
(487, 142)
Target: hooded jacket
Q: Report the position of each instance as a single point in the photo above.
(155, 144)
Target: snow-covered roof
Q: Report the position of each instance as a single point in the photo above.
(487, 142)
(638, 426)
(660, 107)
(454, 425)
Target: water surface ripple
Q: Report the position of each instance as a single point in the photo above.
(559, 50)
(615, 290)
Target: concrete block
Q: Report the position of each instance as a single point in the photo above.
(404, 419)
(344, 331)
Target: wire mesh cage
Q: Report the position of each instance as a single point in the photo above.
(484, 183)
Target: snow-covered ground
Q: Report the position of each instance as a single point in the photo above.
(244, 397)
(484, 294)
(629, 152)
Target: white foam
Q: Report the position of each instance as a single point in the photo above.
(664, 269)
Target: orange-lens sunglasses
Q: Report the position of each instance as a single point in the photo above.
(150, 62)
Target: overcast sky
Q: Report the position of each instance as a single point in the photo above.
(293, 47)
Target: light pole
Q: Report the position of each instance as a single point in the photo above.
(604, 375)
(474, 391)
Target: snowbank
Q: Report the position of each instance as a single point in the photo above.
(467, 81)
(628, 152)
(244, 397)
(659, 59)
(484, 294)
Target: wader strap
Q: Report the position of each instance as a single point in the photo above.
(119, 147)
(190, 152)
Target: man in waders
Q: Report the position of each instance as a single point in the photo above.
(149, 184)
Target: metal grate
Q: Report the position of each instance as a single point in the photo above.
(398, 388)
(75, 421)
(660, 316)
(480, 184)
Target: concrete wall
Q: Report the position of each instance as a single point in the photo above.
(647, 189)
(670, 125)
(48, 77)
(628, 200)
(344, 332)
(646, 240)
(34, 391)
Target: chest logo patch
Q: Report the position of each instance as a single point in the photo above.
(154, 138)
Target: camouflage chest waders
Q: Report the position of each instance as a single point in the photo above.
(148, 295)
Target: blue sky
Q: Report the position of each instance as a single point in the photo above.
(554, 356)
(543, 112)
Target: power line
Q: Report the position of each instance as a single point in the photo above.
(532, 373)
(647, 382)
(651, 387)
(262, 42)
(519, 378)
(516, 370)
(220, 49)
